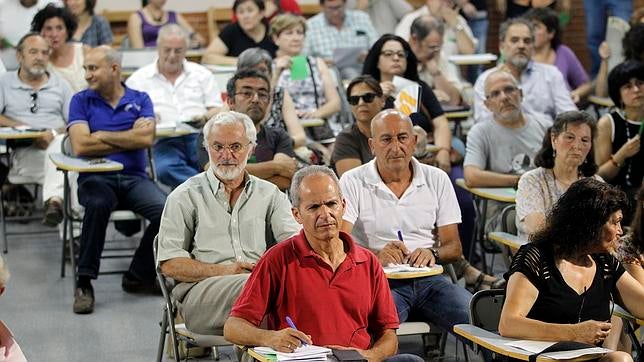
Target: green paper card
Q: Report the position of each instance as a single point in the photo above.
(299, 68)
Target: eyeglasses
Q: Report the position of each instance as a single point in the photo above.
(508, 91)
(234, 148)
(262, 95)
(367, 98)
(391, 53)
(34, 102)
(632, 85)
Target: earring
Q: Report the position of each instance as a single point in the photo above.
(554, 153)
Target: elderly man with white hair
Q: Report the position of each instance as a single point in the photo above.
(217, 224)
(181, 91)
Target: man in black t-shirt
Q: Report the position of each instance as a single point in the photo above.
(249, 92)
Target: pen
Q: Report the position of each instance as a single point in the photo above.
(400, 236)
(292, 325)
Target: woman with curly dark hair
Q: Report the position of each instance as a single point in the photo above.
(566, 156)
(560, 286)
(57, 25)
(631, 250)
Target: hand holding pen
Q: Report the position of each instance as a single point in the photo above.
(395, 252)
(288, 339)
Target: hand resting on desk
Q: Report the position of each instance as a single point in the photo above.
(396, 252)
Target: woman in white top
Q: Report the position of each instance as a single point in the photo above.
(565, 157)
(58, 25)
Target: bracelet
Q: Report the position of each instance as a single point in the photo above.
(436, 255)
(443, 149)
(614, 162)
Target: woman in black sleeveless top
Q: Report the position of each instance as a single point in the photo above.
(618, 148)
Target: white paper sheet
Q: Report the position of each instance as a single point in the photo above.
(308, 353)
(406, 268)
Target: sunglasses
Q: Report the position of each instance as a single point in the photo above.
(34, 103)
(367, 98)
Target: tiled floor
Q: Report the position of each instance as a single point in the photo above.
(37, 306)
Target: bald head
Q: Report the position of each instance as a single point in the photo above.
(386, 116)
(496, 77)
(103, 69)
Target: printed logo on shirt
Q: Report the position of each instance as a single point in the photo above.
(129, 106)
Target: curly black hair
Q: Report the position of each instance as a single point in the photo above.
(545, 157)
(575, 223)
(371, 61)
(550, 19)
(52, 11)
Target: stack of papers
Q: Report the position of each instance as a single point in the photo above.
(302, 353)
(538, 346)
(406, 268)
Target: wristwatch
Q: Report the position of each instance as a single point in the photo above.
(459, 27)
(436, 255)
(54, 132)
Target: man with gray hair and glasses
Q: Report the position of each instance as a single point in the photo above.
(182, 92)
(33, 97)
(544, 88)
(217, 224)
(115, 122)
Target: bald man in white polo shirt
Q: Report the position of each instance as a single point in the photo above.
(396, 193)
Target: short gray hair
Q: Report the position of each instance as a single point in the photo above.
(173, 29)
(499, 73)
(230, 117)
(425, 25)
(305, 172)
(503, 29)
(111, 55)
(4, 273)
(250, 57)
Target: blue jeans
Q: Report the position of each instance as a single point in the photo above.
(479, 28)
(102, 194)
(433, 299)
(596, 14)
(466, 227)
(176, 160)
(406, 357)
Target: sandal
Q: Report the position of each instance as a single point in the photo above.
(481, 284)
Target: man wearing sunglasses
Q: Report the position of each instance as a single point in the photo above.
(35, 98)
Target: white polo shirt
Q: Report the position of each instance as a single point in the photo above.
(191, 94)
(377, 214)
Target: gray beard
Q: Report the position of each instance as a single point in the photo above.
(519, 62)
(228, 174)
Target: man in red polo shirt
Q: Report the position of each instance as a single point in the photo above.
(333, 289)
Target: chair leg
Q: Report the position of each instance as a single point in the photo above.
(443, 344)
(64, 241)
(465, 354)
(162, 336)
(215, 353)
(5, 243)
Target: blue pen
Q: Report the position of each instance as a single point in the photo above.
(292, 325)
(400, 236)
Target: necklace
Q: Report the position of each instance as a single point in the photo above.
(156, 18)
(560, 190)
(629, 160)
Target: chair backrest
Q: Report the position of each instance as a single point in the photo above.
(508, 219)
(485, 309)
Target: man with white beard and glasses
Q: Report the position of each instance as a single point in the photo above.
(544, 88)
(217, 224)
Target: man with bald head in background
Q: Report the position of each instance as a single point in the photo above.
(115, 122)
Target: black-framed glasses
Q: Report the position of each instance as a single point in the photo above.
(367, 98)
(391, 53)
(34, 102)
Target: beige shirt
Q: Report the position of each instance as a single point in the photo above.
(199, 223)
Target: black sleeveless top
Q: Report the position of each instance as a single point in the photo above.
(557, 302)
(630, 175)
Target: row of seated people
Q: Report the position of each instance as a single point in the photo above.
(104, 78)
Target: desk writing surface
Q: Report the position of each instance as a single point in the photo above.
(511, 240)
(21, 132)
(69, 163)
(601, 101)
(433, 270)
(458, 114)
(180, 130)
(502, 194)
(469, 59)
(623, 313)
(498, 344)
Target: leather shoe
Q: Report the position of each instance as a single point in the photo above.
(53, 214)
(84, 300)
(133, 285)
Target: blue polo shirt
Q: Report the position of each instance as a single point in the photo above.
(89, 107)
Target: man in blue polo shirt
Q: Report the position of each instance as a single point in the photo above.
(112, 121)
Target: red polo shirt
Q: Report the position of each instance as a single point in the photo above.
(341, 308)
